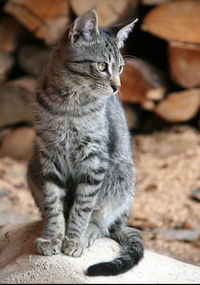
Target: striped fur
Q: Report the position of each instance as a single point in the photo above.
(81, 173)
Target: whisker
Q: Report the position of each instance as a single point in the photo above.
(131, 56)
(120, 95)
(127, 56)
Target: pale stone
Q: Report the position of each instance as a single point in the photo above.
(20, 264)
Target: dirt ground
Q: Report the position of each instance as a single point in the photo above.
(168, 173)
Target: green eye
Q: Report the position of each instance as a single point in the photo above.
(102, 66)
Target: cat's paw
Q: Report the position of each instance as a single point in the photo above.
(73, 248)
(48, 246)
(93, 233)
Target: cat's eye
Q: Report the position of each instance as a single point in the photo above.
(120, 69)
(102, 66)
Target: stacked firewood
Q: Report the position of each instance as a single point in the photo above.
(162, 72)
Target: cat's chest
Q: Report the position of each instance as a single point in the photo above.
(75, 139)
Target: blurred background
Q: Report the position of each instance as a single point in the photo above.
(161, 97)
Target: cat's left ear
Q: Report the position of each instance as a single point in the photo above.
(122, 31)
(84, 29)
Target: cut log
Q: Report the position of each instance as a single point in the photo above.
(47, 19)
(179, 106)
(11, 32)
(26, 82)
(141, 83)
(130, 116)
(15, 105)
(6, 63)
(184, 61)
(153, 2)
(108, 11)
(176, 20)
(18, 143)
(32, 58)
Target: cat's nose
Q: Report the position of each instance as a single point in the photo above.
(115, 83)
(115, 87)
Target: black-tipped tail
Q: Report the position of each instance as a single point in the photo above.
(132, 252)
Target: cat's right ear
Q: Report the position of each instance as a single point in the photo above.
(84, 30)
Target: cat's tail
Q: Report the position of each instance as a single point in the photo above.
(131, 253)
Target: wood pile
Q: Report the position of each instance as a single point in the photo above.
(161, 78)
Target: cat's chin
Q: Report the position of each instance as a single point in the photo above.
(104, 95)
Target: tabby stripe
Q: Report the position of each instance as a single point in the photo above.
(51, 230)
(75, 229)
(87, 139)
(97, 141)
(72, 235)
(100, 170)
(47, 208)
(78, 212)
(87, 179)
(112, 134)
(77, 72)
(51, 234)
(48, 194)
(82, 61)
(110, 44)
(51, 202)
(82, 202)
(92, 110)
(53, 223)
(114, 48)
(43, 138)
(53, 215)
(85, 210)
(96, 224)
(45, 154)
(92, 155)
(47, 107)
(91, 194)
(74, 222)
(96, 154)
(58, 167)
(53, 177)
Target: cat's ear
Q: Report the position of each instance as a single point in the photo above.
(85, 28)
(122, 31)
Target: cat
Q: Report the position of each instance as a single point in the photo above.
(82, 173)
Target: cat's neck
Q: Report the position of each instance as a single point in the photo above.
(70, 100)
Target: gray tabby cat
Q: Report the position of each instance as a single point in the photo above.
(81, 173)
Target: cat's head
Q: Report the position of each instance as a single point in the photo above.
(93, 56)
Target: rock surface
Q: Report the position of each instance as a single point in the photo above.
(20, 264)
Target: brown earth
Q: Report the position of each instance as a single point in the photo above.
(167, 163)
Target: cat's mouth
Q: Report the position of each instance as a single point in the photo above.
(115, 88)
(115, 92)
(105, 91)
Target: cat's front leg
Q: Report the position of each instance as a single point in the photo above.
(76, 230)
(48, 188)
(50, 241)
